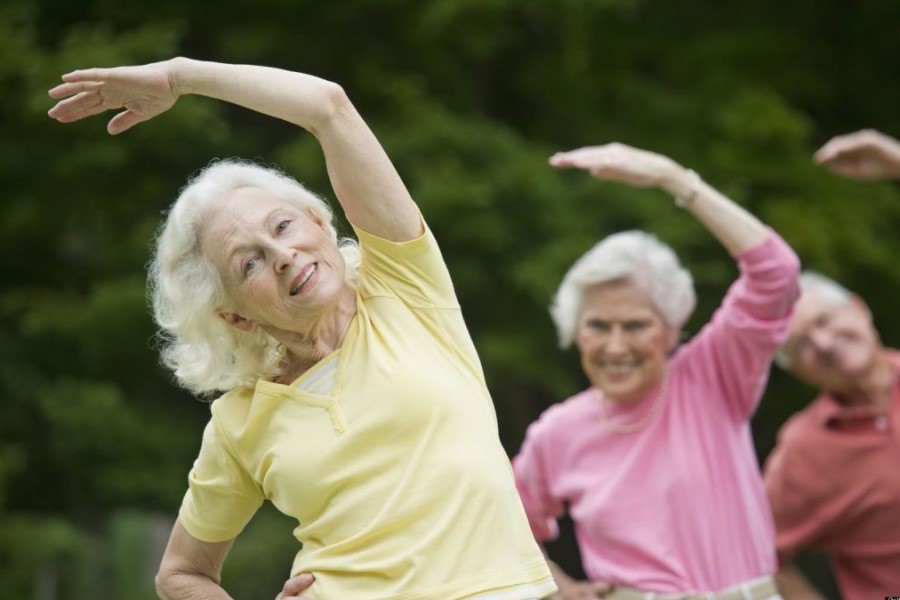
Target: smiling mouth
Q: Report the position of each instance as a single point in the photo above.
(303, 278)
(618, 369)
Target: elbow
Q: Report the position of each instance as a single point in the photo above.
(792, 260)
(793, 268)
(788, 260)
(794, 264)
(163, 583)
(174, 582)
(335, 107)
(787, 271)
(335, 101)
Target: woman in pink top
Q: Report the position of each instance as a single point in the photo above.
(655, 461)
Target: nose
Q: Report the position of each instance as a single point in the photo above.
(282, 257)
(615, 341)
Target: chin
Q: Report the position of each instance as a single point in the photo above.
(622, 394)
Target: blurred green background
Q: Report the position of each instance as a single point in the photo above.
(469, 97)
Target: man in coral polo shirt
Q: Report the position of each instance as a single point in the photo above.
(834, 477)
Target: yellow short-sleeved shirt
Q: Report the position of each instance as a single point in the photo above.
(397, 478)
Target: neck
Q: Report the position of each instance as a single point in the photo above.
(875, 387)
(324, 336)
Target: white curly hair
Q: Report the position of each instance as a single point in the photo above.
(206, 354)
(638, 257)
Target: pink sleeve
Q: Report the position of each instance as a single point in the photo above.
(733, 352)
(532, 482)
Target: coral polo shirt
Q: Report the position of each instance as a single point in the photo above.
(834, 484)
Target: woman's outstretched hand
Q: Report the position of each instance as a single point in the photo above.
(619, 162)
(867, 155)
(143, 92)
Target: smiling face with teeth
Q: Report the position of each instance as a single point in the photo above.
(623, 340)
(280, 268)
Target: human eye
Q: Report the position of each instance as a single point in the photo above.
(597, 325)
(282, 225)
(635, 325)
(248, 264)
(822, 320)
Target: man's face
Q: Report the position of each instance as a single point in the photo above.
(832, 345)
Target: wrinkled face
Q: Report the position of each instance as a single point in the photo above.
(831, 345)
(623, 340)
(280, 268)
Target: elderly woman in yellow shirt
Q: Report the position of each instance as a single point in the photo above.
(353, 399)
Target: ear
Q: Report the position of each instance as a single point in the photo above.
(236, 320)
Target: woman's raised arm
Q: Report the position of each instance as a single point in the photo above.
(365, 182)
(731, 224)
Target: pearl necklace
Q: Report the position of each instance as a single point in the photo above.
(638, 425)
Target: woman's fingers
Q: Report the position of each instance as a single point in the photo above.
(294, 586)
(583, 158)
(96, 75)
(607, 156)
(123, 121)
(83, 104)
(617, 162)
(143, 92)
(70, 89)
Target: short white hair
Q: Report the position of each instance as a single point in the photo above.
(205, 353)
(813, 284)
(638, 257)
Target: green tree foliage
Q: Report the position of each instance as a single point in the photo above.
(470, 97)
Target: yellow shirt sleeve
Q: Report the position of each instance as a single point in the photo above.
(221, 497)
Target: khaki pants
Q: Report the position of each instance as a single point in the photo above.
(758, 589)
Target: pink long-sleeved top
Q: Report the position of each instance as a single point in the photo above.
(678, 505)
